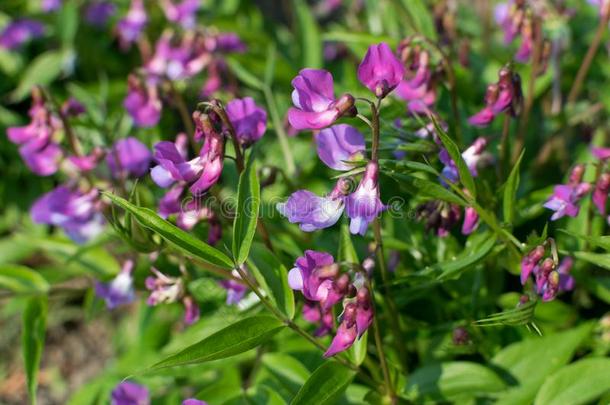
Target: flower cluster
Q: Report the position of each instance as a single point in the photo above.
(418, 87)
(505, 96)
(549, 276)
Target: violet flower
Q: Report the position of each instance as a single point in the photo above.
(212, 153)
(380, 70)
(364, 205)
(193, 401)
(310, 272)
(313, 313)
(600, 153)
(566, 197)
(315, 106)
(248, 120)
(418, 86)
(566, 281)
(178, 57)
(19, 32)
(142, 102)
(471, 221)
(132, 25)
(530, 262)
(339, 145)
(346, 333)
(99, 12)
(505, 96)
(473, 156)
(600, 193)
(235, 290)
(364, 311)
(133, 158)
(77, 213)
(119, 291)
(128, 393)
(172, 164)
(165, 289)
(182, 12)
(313, 212)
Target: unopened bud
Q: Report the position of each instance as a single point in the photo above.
(345, 105)
(577, 173)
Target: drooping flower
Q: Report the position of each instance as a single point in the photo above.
(99, 12)
(340, 144)
(313, 212)
(473, 156)
(380, 70)
(530, 262)
(315, 106)
(363, 205)
(142, 102)
(76, 212)
(600, 194)
(193, 401)
(312, 269)
(418, 87)
(128, 157)
(182, 12)
(566, 197)
(364, 311)
(119, 291)
(128, 393)
(314, 314)
(516, 18)
(346, 333)
(505, 96)
(248, 120)
(132, 25)
(212, 153)
(172, 164)
(86, 163)
(165, 289)
(566, 281)
(191, 310)
(471, 220)
(19, 32)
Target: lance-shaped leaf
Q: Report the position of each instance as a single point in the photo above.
(522, 315)
(246, 216)
(34, 327)
(427, 188)
(172, 234)
(230, 341)
(309, 33)
(347, 252)
(22, 280)
(325, 385)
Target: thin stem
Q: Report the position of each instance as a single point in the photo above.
(504, 147)
(586, 64)
(384, 365)
(279, 130)
(184, 115)
(239, 157)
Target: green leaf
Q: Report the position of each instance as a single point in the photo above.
(420, 17)
(325, 385)
(477, 248)
(309, 34)
(244, 75)
(522, 315)
(453, 381)
(427, 188)
(272, 276)
(598, 259)
(67, 23)
(230, 341)
(598, 241)
(171, 233)
(578, 383)
(41, 71)
(545, 354)
(246, 215)
(286, 369)
(22, 280)
(358, 350)
(453, 150)
(347, 252)
(34, 325)
(510, 192)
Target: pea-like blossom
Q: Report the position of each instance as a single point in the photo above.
(364, 205)
(505, 96)
(471, 220)
(310, 273)
(178, 56)
(128, 157)
(418, 87)
(236, 290)
(119, 291)
(212, 153)
(143, 102)
(75, 211)
(530, 262)
(340, 144)
(165, 289)
(312, 312)
(473, 156)
(18, 32)
(346, 333)
(600, 193)
(248, 120)
(182, 12)
(516, 19)
(193, 401)
(380, 70)
(315, 105)
(99, 12)
(128, 393)
(566, 197)
(131, 27)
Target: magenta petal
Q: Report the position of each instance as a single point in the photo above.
(300, 119)
(338, 144)
(380, 70)
(482, 118)
(343, 340)
(471, 221)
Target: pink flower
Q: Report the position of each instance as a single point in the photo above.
(380, 70)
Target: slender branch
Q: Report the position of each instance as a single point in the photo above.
(586, 63)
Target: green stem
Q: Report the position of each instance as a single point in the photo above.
(184, 115)
(279, 130)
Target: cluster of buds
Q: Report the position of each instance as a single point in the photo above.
(165, 290)
(319, 278)
(566, 197)
(418, 87)
(551, 277)
(517, 19)
(504, 96)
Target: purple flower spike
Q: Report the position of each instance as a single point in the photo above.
(75, 212)
(363, 205)
(99, 12)
(313, 212)
(380, 70)
(340, 144)
(142, 103)
(133, 158)
(128, 393)
(19, 32)
(120, 290)
(181, 12)
(132, 25)
(248, 119)
(315, 106)
(346, 333)
(193, 401)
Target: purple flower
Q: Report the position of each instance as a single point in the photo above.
(312, 270)
(364, 311)
(566, 197)
(248, 119)
(178, 56)
(212, 154)
(181, 12)
(133, 158)
(72, 107)
(77, 213)
(315, 106)
(420, 99)
(600, 194)
(50, 5)
(19, 32)
(346, 333)
(87, 163)
(473, 156)
(99, 12)
(340, 144)
(193, 401)
(235, 290)
(313, 212)
(503, 96)
(530, 262)
(132, 25)
(566, 281)
(312, 313)
(165, 289)
(172, 164)
(600, 153)
(364, 205)
(142, 102)
(191, 310)
(440, 216)
(120, 290)
(128, 393)
(418, 86)
(380, 70)
(227, 42)
(471, 221)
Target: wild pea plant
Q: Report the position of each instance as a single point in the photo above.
(367, 202)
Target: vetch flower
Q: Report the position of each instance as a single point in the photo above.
(50, 5)
(19, 32)
(471, 221)
(212, 153)
(142, 102)
(172, 164)
(505, 96)
(182, 12)
(418, 88)
(120, 290)
(235, 290)
(193, 401)
(128, 157)
(315, 106)
(380, 70)
(98, 13)
(314, 314)
(364, 311)
(600, 193)
(248, 120)
(128, 393)
(132, 25)
(364, 205)
(473, 156)
(566, 197)
(178, 56)
(530, 262)
(311, 271)
(165, 289)
(346, 333)
(340, 144)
